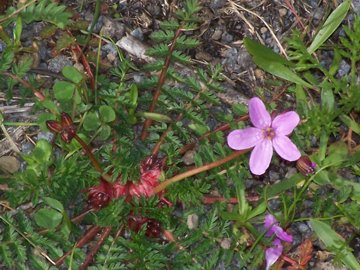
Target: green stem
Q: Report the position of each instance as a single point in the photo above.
(19, 124)
(198, 170)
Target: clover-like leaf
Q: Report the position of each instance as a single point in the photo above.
(107, 114)
(48, 218)
(72, 74)
(91, 121)
(63, 90)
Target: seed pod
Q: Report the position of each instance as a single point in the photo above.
(66, 120)
(54, 126)
(305, 165)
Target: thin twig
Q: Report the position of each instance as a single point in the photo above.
(235, 5)
(8, 137)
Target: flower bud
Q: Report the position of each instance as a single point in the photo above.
(54, 126)
(305, 165)
(66, 120)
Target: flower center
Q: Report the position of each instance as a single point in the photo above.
(268, 133)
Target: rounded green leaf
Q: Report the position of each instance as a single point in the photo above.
(48, 218)
(107, 113)
(91, 121)
(63, 90)
(104, 133)
(72, 74)
(54, 204)
(42, 151)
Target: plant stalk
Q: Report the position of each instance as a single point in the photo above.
(148, 122)
(198, 170)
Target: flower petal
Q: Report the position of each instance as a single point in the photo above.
(273, 253)
(285, 123)
(259, 116)
(244, 138)
(269, 222)
(281, 234)
(286, 148)
(260, 157)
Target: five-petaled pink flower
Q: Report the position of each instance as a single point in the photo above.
(266, 134)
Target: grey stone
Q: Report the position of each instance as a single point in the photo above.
(138, 33)
(26, 148)
(58, 63)
(344, 69)
(45, 135)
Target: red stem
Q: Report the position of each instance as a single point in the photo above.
(89, 235)
(201, 169)
(104, 234)
(95, 163)
(161, 82)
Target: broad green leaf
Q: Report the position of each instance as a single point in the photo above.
(327, 98)
(104, 133)
(199, 129)
(50, 105)
(258, 210)
(260, 51)
(91, 121)
(330, 25)
(42, 118)
(155, 116)
(107, 114)
(64, 90)
(54, 204)
(333, 240)
(272, 62)
(133, 95)
(283, 185)
(337, 153)
(42, 151)
(350, 123)
(48, 218)
(72, 74)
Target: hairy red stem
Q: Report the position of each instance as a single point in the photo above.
(198, 170)
(95, 163)
(224, 127)
(26, 84)
(161, 82)
(89, 235)
(104, 234)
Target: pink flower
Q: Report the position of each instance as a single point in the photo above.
(273, 253)
(265, 135)
(273, 227)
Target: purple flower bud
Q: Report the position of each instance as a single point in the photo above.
(273, 253)
(305, 165)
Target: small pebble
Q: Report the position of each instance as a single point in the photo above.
(225, 243)
(217, 34)
(138, 33)
(45, 135)
(192, 221)
(188, 158)
(58, 63)
(282, 12)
